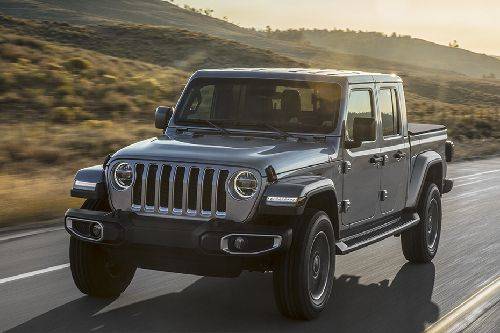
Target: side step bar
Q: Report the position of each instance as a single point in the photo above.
(393, 227)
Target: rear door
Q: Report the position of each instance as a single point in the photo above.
(362, 182)
(394, 148)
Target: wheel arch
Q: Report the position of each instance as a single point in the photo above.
(428, 167)
(89, 183)
(326, 200)
(312, 192)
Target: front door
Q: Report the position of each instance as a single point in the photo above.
(394, 148)
(362, 176)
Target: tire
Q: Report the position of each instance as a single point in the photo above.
(94, 271)
(420, 243)
(303, 278)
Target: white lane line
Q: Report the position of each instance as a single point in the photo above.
(30, 233)
(469, 311)
(31, 274)
(469, 194)
(476, 174)
(470, 183)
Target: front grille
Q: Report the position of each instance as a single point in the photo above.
(179, 189)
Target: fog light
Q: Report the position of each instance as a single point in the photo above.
(240, 243)
(96, 230)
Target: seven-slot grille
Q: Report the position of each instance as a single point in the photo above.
(166, 188)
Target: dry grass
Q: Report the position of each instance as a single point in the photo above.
(41, 80)
(26, 148)
(34, 198)
(38, 162)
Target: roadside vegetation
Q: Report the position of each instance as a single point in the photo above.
(70, 95)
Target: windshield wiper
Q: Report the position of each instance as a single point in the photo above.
(284, 134)
(221, 130)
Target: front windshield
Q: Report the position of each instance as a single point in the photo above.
(291, 106)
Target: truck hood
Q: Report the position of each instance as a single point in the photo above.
(242, 151)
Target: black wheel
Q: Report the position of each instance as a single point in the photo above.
(420, 243)
(94, 271)
(303, 278)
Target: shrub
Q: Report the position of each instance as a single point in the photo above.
(93, 124)
(10, 97)
(46, 155)
(29, 42)
(43, 102)
(64, 90)
(12, 52)
(62, 115)
(77, 65)
(5, 81)
(114, 101)
(72, 100)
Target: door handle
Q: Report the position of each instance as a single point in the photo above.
(399, 155)
(376, 159)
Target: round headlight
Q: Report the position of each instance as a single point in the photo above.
(124, 175)
(244, 184)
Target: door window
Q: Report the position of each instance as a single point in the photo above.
(389, 111)
(360, 106)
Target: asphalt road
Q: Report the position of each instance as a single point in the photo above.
(376, 290)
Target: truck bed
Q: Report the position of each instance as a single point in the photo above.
(427, 137)
(416, 128)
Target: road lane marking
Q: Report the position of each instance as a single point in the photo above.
(470, 183)
(469, 311)
(469, 194)
(477, 174)
(30, 233)
(34, 273)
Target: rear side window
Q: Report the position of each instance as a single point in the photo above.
(360, 106)
(389, 111)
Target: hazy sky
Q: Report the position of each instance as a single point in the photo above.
(474, 24)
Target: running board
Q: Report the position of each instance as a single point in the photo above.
(393, 227)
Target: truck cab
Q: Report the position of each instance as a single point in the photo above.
(264, 170)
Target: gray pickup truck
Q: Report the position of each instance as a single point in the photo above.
(264, 170)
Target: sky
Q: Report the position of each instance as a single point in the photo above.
(474, 24)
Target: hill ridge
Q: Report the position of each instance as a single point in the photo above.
(156, 12)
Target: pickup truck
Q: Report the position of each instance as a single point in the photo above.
(269, 170)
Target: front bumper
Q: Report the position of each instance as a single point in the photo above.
(160, 243)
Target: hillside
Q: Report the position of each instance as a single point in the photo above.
(186, 50)
(402, 49)
(165, 46)
(351, 48)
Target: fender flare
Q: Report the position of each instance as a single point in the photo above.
(89, 183)
(423, 162)
(300, 187)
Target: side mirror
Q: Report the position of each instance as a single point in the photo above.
(162, 116)
(364, 129)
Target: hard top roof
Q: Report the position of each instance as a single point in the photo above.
(328, 75)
